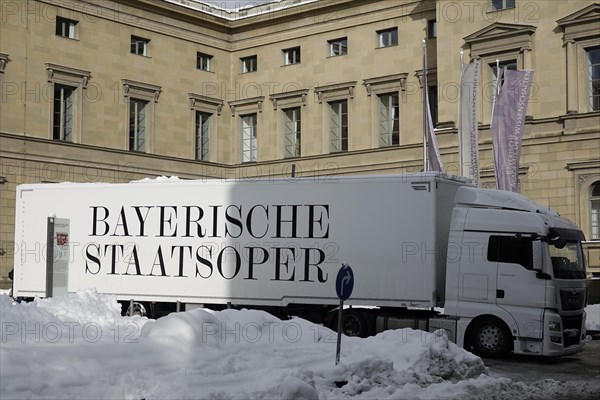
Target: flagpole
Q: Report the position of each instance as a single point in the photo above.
(496, 89)
(458, 126)
(425, 124)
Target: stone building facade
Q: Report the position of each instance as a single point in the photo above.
(112, 91)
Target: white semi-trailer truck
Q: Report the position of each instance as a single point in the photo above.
(509, 273)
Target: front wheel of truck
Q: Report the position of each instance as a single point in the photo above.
(491, 338)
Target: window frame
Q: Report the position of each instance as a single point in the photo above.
(580, 33)
(504, 5)
(431, 29)
(78, 80)
(593, 98)
(296, 54)
(342, 129)
(339, 42)
(594, 212)
(140, 91)
(251, 61)
(61, 134)
(135, 111)
(209, 106)
(202, 136)
(499, 242)
(136, 41)
(392, 136)
(252, 138)
(388, 34)
(204, 61)
(292, 138)
(63, 23)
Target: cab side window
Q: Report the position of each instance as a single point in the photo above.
(510, 249)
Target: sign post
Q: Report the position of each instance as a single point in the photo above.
(57, 257)
(344, 283)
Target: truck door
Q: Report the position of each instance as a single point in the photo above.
(518, 290)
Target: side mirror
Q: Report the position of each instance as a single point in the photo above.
(558, 242)
(542, 275)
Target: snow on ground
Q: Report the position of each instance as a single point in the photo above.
(79, 347)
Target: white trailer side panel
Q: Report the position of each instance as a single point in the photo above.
(191, 240)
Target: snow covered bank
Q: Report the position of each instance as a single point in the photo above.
(231, 354)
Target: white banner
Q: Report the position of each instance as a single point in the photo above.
(468, 133)
(508, 121)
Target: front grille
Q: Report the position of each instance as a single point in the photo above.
(572, 299)
(571, 330)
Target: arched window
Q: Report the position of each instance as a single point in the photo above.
(595, 211)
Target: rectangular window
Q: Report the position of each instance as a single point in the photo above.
(292, 131)
(594, 78)
(138, 112)
(432, 29)
(388, 37)
(249, 64)
(389, 120)
(338, 47)
(65, 27)
(202, 136)
(249, 138)
(62, 124)
(139, 46)
(511, 249)
(338, 126)
(595, 211)
(509, 65)
(502, 4)
(291, 56)
(433, 103)
(203, 61)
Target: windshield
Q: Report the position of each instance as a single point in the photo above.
(567, 262)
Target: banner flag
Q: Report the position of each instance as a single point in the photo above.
(508, 122)
(434, 160)
(467, 122)
(431, 153)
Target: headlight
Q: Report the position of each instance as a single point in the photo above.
(554, 326)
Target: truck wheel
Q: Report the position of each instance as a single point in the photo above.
(491, 338)
(354, 323)
(137, 310)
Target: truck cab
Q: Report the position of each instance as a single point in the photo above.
(515, 276)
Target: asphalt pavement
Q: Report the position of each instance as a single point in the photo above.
(575, 371)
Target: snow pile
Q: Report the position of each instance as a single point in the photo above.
(158, 179)
(298, 357)
(84, 306)
(230, 354)
(592, 321)
(25, 314)
(84, 315)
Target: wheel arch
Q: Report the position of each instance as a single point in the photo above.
(475, 321)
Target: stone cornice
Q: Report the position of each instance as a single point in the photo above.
(347, 88)
(298, 95)
(251, 101)
(399, 79)
(151, 91)
(499, 30)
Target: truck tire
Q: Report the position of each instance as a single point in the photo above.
(491, 338)
(355, 323)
